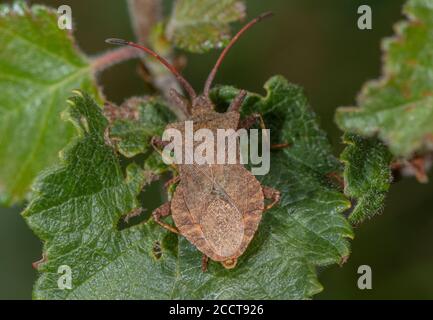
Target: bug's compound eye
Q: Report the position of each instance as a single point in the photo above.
(229, 264)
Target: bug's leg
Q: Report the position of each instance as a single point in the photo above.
(204, 263)
(134, 213)
(280, 146)
(161, 212)
(271, 194)
(254, 118)
(158, 144)
(237, 102)
(180, 101)
(171, 182)
(251, 120)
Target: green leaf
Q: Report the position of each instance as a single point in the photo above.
(39, 67)
(136, 122)
(367, 175)
(201, 25)
(399, 107)
(78, 204)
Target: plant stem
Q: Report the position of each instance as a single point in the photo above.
(114, 57)
(145, 14)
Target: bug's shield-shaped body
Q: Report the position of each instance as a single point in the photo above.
(217, 207)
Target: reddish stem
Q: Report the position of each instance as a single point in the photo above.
(113, 57)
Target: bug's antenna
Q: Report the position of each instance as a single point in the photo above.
(211, 77)
(179, 77)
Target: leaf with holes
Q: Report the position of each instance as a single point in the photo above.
(201, 25)
(399, 107)
(39, 67)
(78, 204)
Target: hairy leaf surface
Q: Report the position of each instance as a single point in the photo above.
(78, 205)
(135, 123)
(39, 67)
(201, 25)
(367, 175)
(399, 107)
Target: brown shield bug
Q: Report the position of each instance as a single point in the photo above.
(217, 207)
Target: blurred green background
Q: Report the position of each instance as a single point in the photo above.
(316, 44)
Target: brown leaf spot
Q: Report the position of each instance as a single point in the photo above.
(419, 166)
(336, 177)
(410, 107)
(127, 111)
(343, 261)
(412, 62)
(406, 90)
(36, 264)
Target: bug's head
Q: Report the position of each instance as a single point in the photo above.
(201, 104)
(197, 104)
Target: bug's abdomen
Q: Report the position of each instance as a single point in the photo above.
(223, 227)
(219, 221)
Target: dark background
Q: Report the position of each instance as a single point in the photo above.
(316, 44)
